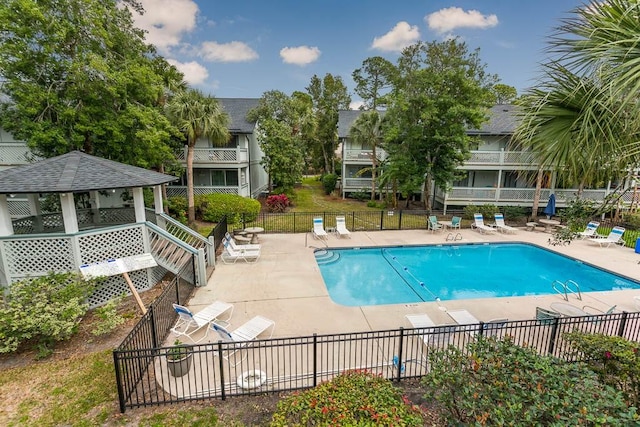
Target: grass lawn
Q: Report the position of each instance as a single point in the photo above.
(310, 197)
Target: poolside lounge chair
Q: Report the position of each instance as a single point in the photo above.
(189, 323)
(501, 226)
(435, 335)
(478, 224)
(493, 327)
(432, 223)
(247, 247)
(463, 317)
(614, 237)
(341, 227)
(249, 331)
(231, 255)
(590, 230)
(318, 229)
(546, 316)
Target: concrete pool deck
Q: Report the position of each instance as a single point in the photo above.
(286, 285)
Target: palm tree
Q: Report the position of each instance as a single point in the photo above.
(367, 131)
(197, 116)
(582, 118)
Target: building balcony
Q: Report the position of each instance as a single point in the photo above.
(362, 156)
(517, 196)
(180, 190)
(216, 156)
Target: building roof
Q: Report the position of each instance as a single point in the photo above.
(237, 108)
(345, 120)
(503, 120)
(76, 172)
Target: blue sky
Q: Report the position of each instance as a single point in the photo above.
(243, 48)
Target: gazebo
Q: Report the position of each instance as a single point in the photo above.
(37, 244)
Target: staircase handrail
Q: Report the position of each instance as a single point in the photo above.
(201, 239)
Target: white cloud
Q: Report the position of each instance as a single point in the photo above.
(300, 55)
(227, 52)
(194, 72)
(166, 21)
(355, 105)
(401, 36)
(451, 18)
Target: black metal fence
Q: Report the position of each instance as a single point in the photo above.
(218, 232)
(221, 369)
(147, 335)
(302, 222)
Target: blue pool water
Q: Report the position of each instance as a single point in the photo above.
(409, 274)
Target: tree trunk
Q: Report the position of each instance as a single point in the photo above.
(426, 192)
(191, 209)
(536, 195)
(373, 173)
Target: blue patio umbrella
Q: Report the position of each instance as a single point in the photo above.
(550, 210)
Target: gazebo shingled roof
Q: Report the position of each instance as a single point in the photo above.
(76, 172)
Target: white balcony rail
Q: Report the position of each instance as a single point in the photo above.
(180, 190)
(516, 195)
(217, 155)
(480, 157)
(363, 155)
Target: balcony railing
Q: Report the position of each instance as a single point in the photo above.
(217, 155)
(179, 190)
(516, 195)
(511, 158)
(364, 156)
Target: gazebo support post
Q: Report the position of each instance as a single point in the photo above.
(95, 206)
(6, 227)
(69, 213)
(159, 208)
(138, 204)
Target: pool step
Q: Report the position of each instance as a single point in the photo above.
(325, 257)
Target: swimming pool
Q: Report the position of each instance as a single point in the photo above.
(409, 274)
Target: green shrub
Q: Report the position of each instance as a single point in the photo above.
(107, 317)
(43, 310)
(513, 212)
(360, 195)
(632, 220)
(354, 398)
(213, 207)
(615, 360)
(329, 182)
(487, 211)
(499, 383)
(177, 206)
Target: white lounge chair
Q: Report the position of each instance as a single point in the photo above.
(614, 237)
(231, 255)
(318, 229)
(189, 323)
(478, 224)
(493, 326)
(590, 230)
(501, 226)
(490, 328)
(247, 247)
(249, 331)
(341, 227)
(435, 336)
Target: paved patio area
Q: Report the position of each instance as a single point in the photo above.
(286, 286)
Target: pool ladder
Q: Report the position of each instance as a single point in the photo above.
(566, 288)
(453, 238)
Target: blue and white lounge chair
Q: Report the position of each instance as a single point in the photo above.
(249, 331)
(318, 229)
(501, 226)
(189, 323)
(341, 227)
(479, 225)
(590, 230)
(614, 237)
(231, 255)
